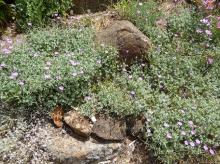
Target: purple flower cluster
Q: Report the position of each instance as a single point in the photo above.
(206, 21)
(189, 143)
(197, 142)
(209, 4)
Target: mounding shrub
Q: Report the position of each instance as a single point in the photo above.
(37, 12)
(176, 128)
(54, 66)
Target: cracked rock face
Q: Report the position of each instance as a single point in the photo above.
(127, 38)
(109, 129)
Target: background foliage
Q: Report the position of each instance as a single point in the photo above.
(37, 12)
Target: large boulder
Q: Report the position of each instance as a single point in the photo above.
(127, 38)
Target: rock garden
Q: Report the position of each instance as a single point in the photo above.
(110, 82)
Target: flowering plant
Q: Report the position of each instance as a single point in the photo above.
(55, 66)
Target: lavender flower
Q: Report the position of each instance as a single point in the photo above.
(3, 65)
(186, 143)
(198, 142)
(14, 75)
(179, 123)
(9, 41)
(6, 51)
(169, 136)
(192, 144)
(88, 98)
(205, 21)
(210, 61)
(208, 32)
(191, 123)
(193, 132)
(21, 83)
(205, 147)
(61, 88)
(211, 151)
(199, 31)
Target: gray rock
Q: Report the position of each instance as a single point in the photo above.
(127, 38)
(69, 150)
(78, 123)
(109, 129)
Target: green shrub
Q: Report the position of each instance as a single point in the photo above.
(38, 12)
(55, 66)
(178, 93)
(141, 13)
(176, 128)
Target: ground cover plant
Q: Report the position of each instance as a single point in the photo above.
(177, 91)
(180, 95)
(54, 66)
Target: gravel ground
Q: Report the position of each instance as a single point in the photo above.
(20, 138)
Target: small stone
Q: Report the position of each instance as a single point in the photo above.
(93, 119)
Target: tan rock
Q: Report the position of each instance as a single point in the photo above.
(78, 123)
(127, 38)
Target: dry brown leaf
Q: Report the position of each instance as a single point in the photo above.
(57, 116)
